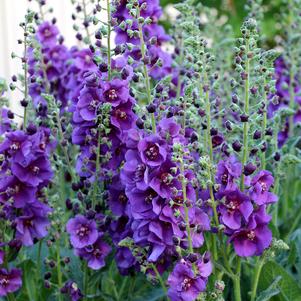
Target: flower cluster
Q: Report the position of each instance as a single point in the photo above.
(144, 150)
(243, 213)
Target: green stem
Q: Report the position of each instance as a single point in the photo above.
(188, 230)
(264, 124)
(109, 40)
(160, 280)
(236, 282)
(86, 19)
(210, 152)
(86, 278)
(257, 272)
(65, 151)
(246, 111)
(11, 297)
(145, 72)
(58, 266)
(25, 77)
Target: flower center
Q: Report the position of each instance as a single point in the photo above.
(4, 281)
(112, 94)
(35, 169)
(186, 284)
(150, 197)
(251, 235)
(139, 172)
(152, 152)
(83, 231)
(28, 223)
(12, 190)
(97, 253)
(93, 104)
(122, 198)
(233, 205)
(47, 33)
(224, 178)
(15, 146)
(166, 178)
(121, 114)
(263, 186)
(87, 59)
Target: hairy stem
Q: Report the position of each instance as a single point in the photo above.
(145, 72)
(246, 111)
(258, 268)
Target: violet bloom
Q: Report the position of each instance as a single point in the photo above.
(134, 173)
(122, 116)
(152, 150)
(83, 232)
(260, 185)
(125, 260)
(255, 237)
(18, 145)
(143, 203)
(47, 34)
(72, 289)
(33, 223)
(168, 128)
(2, 254)
(95, 254)
(118, 201)
(89, 102)
(5, 122)
(184, 285)
(10, 281)
(227, 171)
(38, 171)
(22, 194)
(235, 210)
(115, 92)
(163, 181)
(199, 222)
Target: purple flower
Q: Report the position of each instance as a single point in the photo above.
(143, 203)
(89, 102)
(95, 254)
(168, 129)
(115, 92)
(199, 222)
(163, 181)
(152, 150)
(38, 171)
(134, 172)
(18, 145)
(22, 194)
(227, 171)
(72, 289)
(235, 210)
(260, 185)
(10, 281)
(122, 116)
(184, 285)
(118, 201)
(2, 254)
(47, 34)
(33, 223)
(255, 237)
(125, 260)
(83, 232)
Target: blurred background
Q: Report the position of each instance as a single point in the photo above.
(12, 13)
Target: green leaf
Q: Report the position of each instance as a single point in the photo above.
(271, 291)
(289, 288)
(29, 269)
